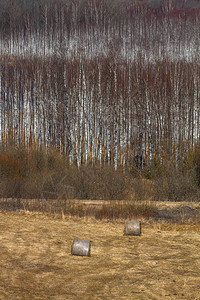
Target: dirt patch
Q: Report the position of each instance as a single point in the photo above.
(177, 214)
(36, 260)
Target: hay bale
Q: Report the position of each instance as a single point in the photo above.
(132, 228)
(81, 247)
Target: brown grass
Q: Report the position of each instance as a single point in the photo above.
(173, 212)
(35, 259)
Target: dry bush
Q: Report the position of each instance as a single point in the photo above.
(119, 210)
(141, 189)
(112, 211)
(12, 164)
(176, 187)
(99, 183)
(176, 183)
(44, 173)
(26, 173)
(192, 163)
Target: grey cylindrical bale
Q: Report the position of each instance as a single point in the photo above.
(132, 228)
(81, 247)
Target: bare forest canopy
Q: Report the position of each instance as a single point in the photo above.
(107, 82)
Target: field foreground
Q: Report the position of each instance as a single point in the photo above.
(36, 260)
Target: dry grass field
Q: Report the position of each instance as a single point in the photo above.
(36, 260)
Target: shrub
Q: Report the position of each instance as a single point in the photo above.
(44, 173)
(99, 183)
(192, 162)
(123, 211)
(176, 184)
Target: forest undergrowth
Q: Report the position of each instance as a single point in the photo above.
(42, 180)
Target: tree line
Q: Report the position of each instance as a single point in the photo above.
(101, 109)
(107, 82)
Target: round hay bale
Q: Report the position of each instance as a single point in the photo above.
(81, 247)
(132, 228)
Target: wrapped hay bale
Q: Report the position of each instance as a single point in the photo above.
(132, 228)
(81, 247)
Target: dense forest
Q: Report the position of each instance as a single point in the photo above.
(109, 83)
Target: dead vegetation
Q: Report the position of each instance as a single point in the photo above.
(45, 174)
(173, 212)
(36, 263)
